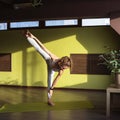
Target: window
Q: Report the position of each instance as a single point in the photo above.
(96, 22)
(5, 62)
(24, 24)
(61, 22)
(3, 26)
(87, 64)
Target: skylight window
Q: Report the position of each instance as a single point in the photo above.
(61, 22)
(3, 26)
(24, 24)
(96, 22)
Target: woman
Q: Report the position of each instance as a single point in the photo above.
(54, 64)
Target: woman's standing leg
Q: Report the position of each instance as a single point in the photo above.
(50, 82)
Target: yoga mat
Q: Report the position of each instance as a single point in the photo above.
(42, 106)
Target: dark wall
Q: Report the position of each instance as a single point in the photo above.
(53, 9)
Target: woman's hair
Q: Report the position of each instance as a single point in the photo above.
(64, 61)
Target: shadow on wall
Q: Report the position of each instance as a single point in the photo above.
(34, 69)
(94, 39)
(13, 41)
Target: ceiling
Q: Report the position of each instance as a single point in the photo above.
(14, 1)
(57, 9)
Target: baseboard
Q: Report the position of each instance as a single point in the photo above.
(60, 88)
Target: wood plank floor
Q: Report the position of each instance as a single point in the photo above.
(19, 94)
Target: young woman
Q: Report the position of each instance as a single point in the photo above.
(54, 64)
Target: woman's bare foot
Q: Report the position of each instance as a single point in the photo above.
(50, 102)
(27, 33)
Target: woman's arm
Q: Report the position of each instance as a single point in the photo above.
(57, 78)
(28, 34)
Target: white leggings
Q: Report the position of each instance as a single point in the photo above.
(47, 59)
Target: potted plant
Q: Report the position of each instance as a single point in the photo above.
(112, 61)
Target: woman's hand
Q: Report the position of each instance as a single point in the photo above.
(29, 34)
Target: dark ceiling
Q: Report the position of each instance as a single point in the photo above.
(57, 9)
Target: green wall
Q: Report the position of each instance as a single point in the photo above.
(29, 68)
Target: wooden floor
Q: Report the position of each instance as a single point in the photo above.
(18, 95)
